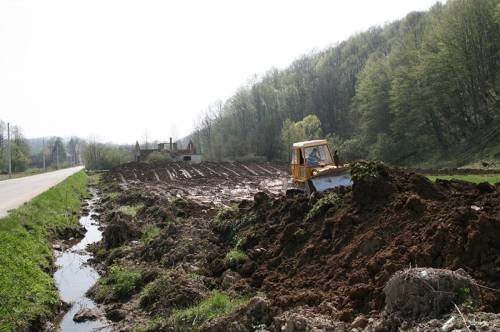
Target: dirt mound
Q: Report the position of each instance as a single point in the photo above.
(391, 220)
(173, 290)
(119, 230)
(425, 292)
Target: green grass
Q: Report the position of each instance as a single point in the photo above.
(119, 283)
(228, 221)
(235, 256)
(215, 305)
(27, 290)
(130, 210)
(469, 178)
(150, 233)
(151, 325)
(329, 200)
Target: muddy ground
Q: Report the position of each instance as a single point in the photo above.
(295, 263)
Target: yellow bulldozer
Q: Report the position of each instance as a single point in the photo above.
(315, 169)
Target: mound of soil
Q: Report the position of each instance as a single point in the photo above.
(391, 220)
(119, 230)
(173, 290)
(425, 292)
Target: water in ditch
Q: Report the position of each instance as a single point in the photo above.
(74, 276)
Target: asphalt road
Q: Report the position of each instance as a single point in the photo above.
(15, 192)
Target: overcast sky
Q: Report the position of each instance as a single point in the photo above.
(116, 68)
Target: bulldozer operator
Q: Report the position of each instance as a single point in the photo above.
(314, 158)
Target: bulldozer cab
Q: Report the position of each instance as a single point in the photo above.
(307, 156)
(314, 168)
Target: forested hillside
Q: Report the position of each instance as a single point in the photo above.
(420, 89)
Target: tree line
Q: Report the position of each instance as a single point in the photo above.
(56, 152)
(422, 88)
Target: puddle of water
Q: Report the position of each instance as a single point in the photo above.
(74, 277)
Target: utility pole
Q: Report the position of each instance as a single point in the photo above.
(43, 152)
(9, 154)
(57, 155)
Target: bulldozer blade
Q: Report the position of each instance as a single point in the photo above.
(323, 182)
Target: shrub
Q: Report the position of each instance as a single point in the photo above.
(157, 157)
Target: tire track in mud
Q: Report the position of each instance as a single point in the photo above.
(207, 181)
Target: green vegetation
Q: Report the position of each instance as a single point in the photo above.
(158, 158)
(329, 200)
(105, 156)
(27, 290)
(215, 305)
(235, 256)
(154, 290)
(150, 233)
(151, 325)
(421, 88)
(195, 276)
(130, 210)
(466, 299)
(307, 129)
(119, 283)
(20, 149)
(28, 154)
(227, 223)
(469, 178)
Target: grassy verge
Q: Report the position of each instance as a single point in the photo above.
(27, 290)
(469, 178)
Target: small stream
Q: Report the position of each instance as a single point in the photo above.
(74, 276)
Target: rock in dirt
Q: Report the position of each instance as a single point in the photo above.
(305, 319)
(359, 322)
(87, 314)
(116, 315)
(427, 292)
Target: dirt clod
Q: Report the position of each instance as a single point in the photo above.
(426, 292)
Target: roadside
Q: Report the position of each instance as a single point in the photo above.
(15, 192)
(28, 295)
(32, 171)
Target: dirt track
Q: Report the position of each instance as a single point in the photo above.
(321, 261)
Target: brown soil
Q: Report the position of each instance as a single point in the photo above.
(385, 224)
(334, 264)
